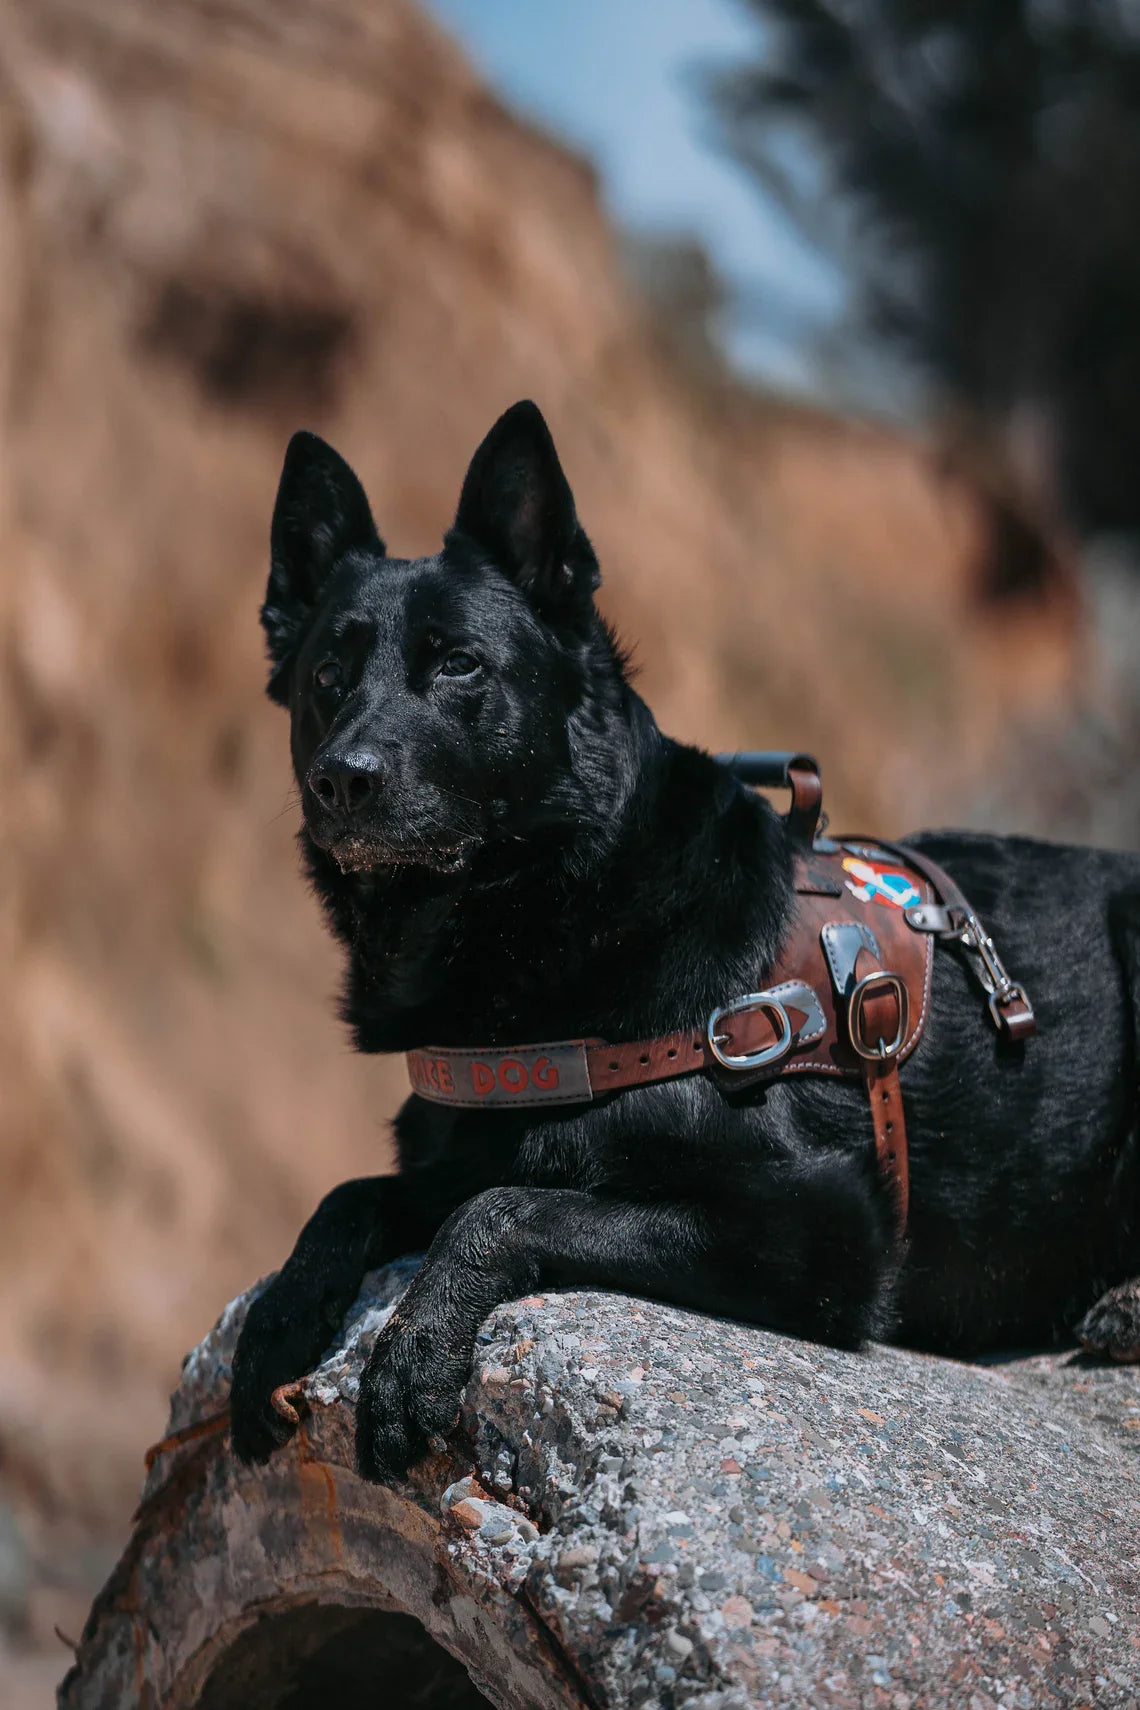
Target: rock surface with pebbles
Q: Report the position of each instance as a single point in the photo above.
(644, 1507)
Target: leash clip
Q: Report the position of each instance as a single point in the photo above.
(1003, 994)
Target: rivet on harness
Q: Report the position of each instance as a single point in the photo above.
(849, 995)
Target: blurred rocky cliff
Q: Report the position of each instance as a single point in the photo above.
(221, 220)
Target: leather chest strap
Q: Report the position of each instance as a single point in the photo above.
(874, 1004)
(573, 1071)
(878, 1017)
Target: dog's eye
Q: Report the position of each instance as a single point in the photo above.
(329, 675)
(459, 664)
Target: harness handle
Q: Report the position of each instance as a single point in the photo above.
(775, 769)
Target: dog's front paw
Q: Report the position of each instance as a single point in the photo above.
(409, 1398)
(1112, 1326)
(280, 1341)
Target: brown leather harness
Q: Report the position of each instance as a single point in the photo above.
(849, 994)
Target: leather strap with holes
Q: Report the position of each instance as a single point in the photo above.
(570, 1071)
(879, 1019)
(885, 1094)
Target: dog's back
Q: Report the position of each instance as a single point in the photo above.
(1025, 1161)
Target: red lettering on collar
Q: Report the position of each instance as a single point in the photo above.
(513, 1077)
(545, 1075)
(482, 1079)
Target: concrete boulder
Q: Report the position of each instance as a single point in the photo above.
(642, 1507)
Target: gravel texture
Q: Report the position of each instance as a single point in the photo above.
(649, 1507)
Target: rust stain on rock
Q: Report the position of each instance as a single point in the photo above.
(319, 1500)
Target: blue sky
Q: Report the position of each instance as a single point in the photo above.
(616, 78)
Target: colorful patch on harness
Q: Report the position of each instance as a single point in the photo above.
(872, 883)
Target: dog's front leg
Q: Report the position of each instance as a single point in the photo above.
(503, 1243)
(358, 1226)
(806, 1250)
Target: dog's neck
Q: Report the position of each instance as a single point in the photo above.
(657, 888)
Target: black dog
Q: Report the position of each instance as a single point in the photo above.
(511, 851)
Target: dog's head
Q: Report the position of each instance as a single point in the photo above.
(435, 701)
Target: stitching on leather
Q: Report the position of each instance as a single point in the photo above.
(916, 1030)
(827, 937)
(496, 1050)
(472, 1101)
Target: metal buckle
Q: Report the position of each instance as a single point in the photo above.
(750, 1059)
(882, 1051)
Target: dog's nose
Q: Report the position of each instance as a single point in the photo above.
(346, 783)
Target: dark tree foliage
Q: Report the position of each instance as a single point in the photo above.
(980, 165)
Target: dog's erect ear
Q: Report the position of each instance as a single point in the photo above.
(516, 503)
(321, 513)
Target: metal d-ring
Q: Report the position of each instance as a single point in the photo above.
(750, 1059)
